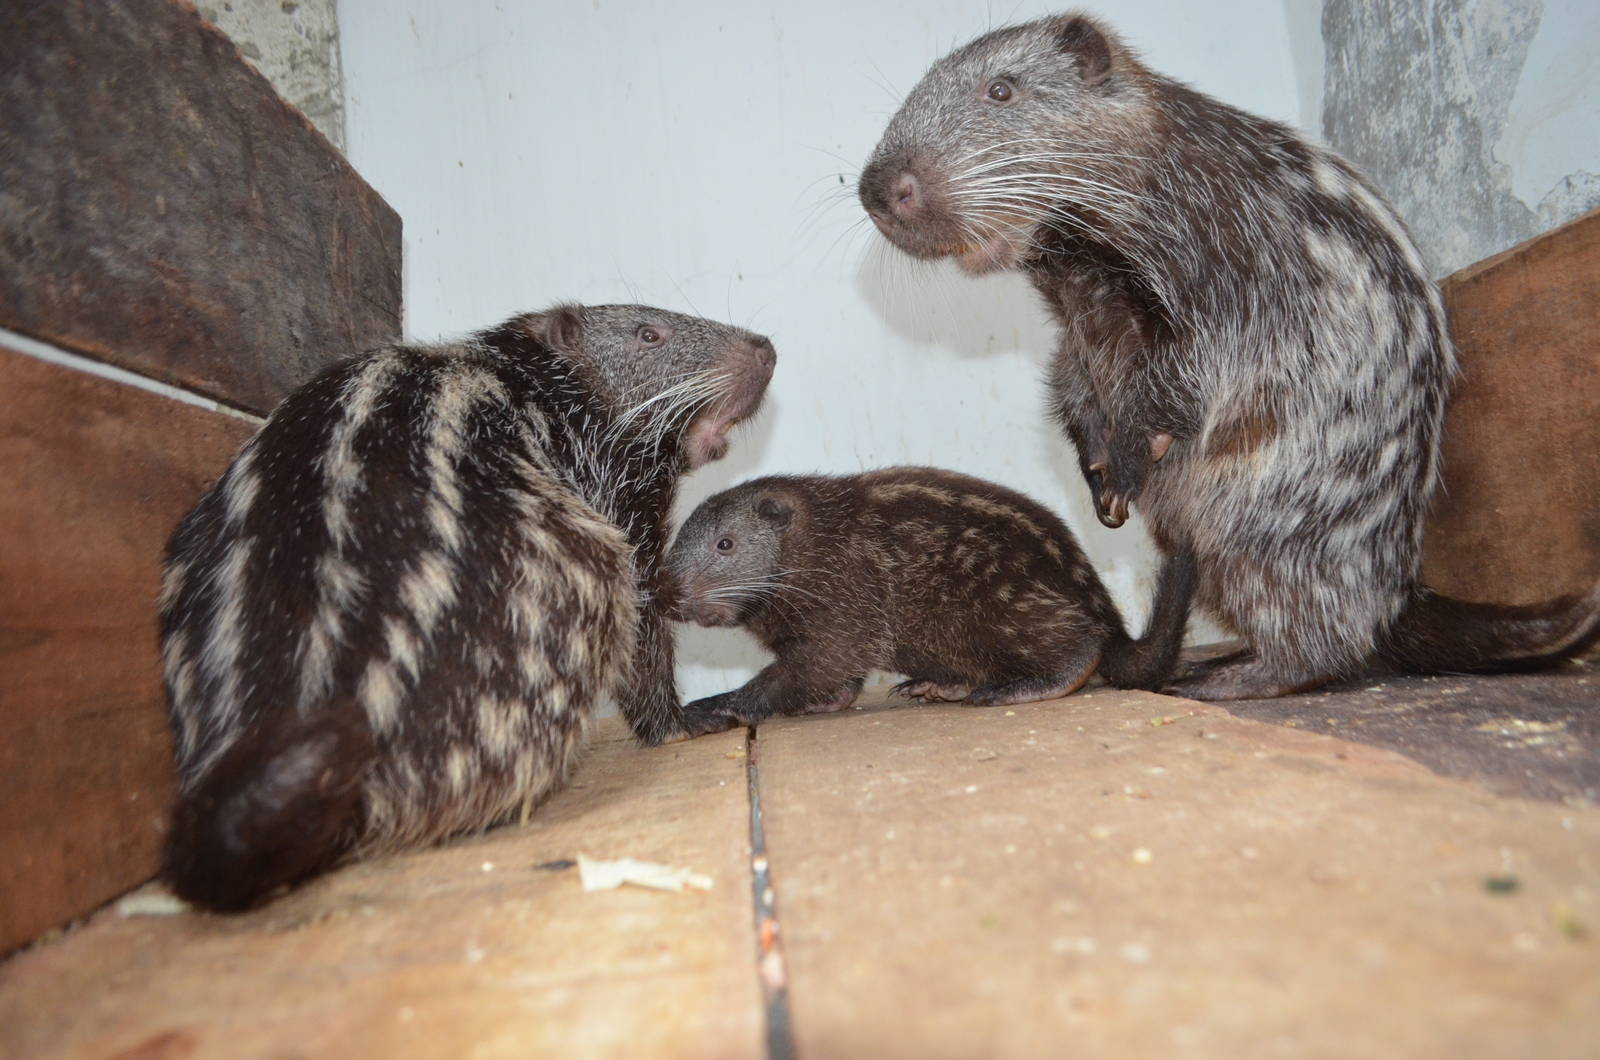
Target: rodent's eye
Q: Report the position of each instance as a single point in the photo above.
(1000, 90)
(648, 336)
(725, 545)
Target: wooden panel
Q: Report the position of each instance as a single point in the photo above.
(1128, 875)
(166, 211)
(1519, 520)
(93, 477)
(479, 949)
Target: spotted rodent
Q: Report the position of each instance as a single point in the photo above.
(972, 590)
(388, 622)
(1237, 304)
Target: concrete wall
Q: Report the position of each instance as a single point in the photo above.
(1480, 119)
(295, 44)
(703, 157)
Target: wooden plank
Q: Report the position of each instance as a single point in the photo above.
(1519, 520)
(474, 949)
(165, 211)
(1121, 874)
(93, 477)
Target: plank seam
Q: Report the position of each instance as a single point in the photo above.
(771, 970)
(53, 354)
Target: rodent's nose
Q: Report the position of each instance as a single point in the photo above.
(905, 197)
(874, 192)
(765, 355)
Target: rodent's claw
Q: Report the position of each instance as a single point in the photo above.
(1112, 511)
(708, 715)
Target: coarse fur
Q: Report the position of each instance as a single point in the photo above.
(975, 592)
(1251, 347)
(390, 619)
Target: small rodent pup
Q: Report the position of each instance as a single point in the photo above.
(390, 619)
(1251, 348)
(972, 590)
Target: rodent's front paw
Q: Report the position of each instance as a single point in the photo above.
(709, 715)
(1123, 476)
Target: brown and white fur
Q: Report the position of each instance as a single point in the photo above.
(1251, 348)
(975, 592)
(389, 621)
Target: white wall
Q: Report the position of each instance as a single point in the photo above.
(702, 157)
(1479, 119)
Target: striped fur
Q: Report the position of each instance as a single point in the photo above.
(973, 591)
(1251, 347)
(390, 620)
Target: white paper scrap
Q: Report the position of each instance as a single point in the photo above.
(151, 902)
(601, 875)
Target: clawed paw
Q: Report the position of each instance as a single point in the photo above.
(1119, 481)
(927, 691)
(702, 717)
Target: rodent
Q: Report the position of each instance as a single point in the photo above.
(975, 592)
(389, 621)
(1251, 348)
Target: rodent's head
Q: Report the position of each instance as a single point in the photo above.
(726, 560)
(999, 135)
(665, 373)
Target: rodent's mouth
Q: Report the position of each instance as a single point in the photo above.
(706, 614)
(707, 436)
(998, 251)
(1001, 249)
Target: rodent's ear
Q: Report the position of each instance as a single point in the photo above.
(775, 511)
(561, 327)
(1080, 38)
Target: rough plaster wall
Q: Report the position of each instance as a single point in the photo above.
(1476, 117)
(295, 45)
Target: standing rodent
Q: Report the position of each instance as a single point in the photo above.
(972, 590)
(388, 622)
(1237, 304)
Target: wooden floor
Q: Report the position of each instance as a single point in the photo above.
(1109, 875)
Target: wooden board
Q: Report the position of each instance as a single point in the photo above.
(167, 212)
(1112, 875)
(1519, 518)
(1127, 875)
(475, 950)
(93, 477)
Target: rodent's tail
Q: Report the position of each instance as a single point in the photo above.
(282, 805)
(1439, 634)
(1150, 661)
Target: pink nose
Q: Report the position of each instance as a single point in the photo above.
(905, 198)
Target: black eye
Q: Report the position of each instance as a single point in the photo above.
(648, 336)
(1000, 90)
(725, 545)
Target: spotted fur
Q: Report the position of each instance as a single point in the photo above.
(390, 620)
(1251, 347)
(972, 590)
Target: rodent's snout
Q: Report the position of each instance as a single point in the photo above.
(891, 190)
(762, 352)
(702, 612)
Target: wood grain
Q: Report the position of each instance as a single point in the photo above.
(93, 477)
(1119, 874)
(167, 212)
(1519, 518)
(485, 948)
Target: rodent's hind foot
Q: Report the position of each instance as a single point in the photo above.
(925, 690)
(1063, 682)
(1242, 676)
(706, 722)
